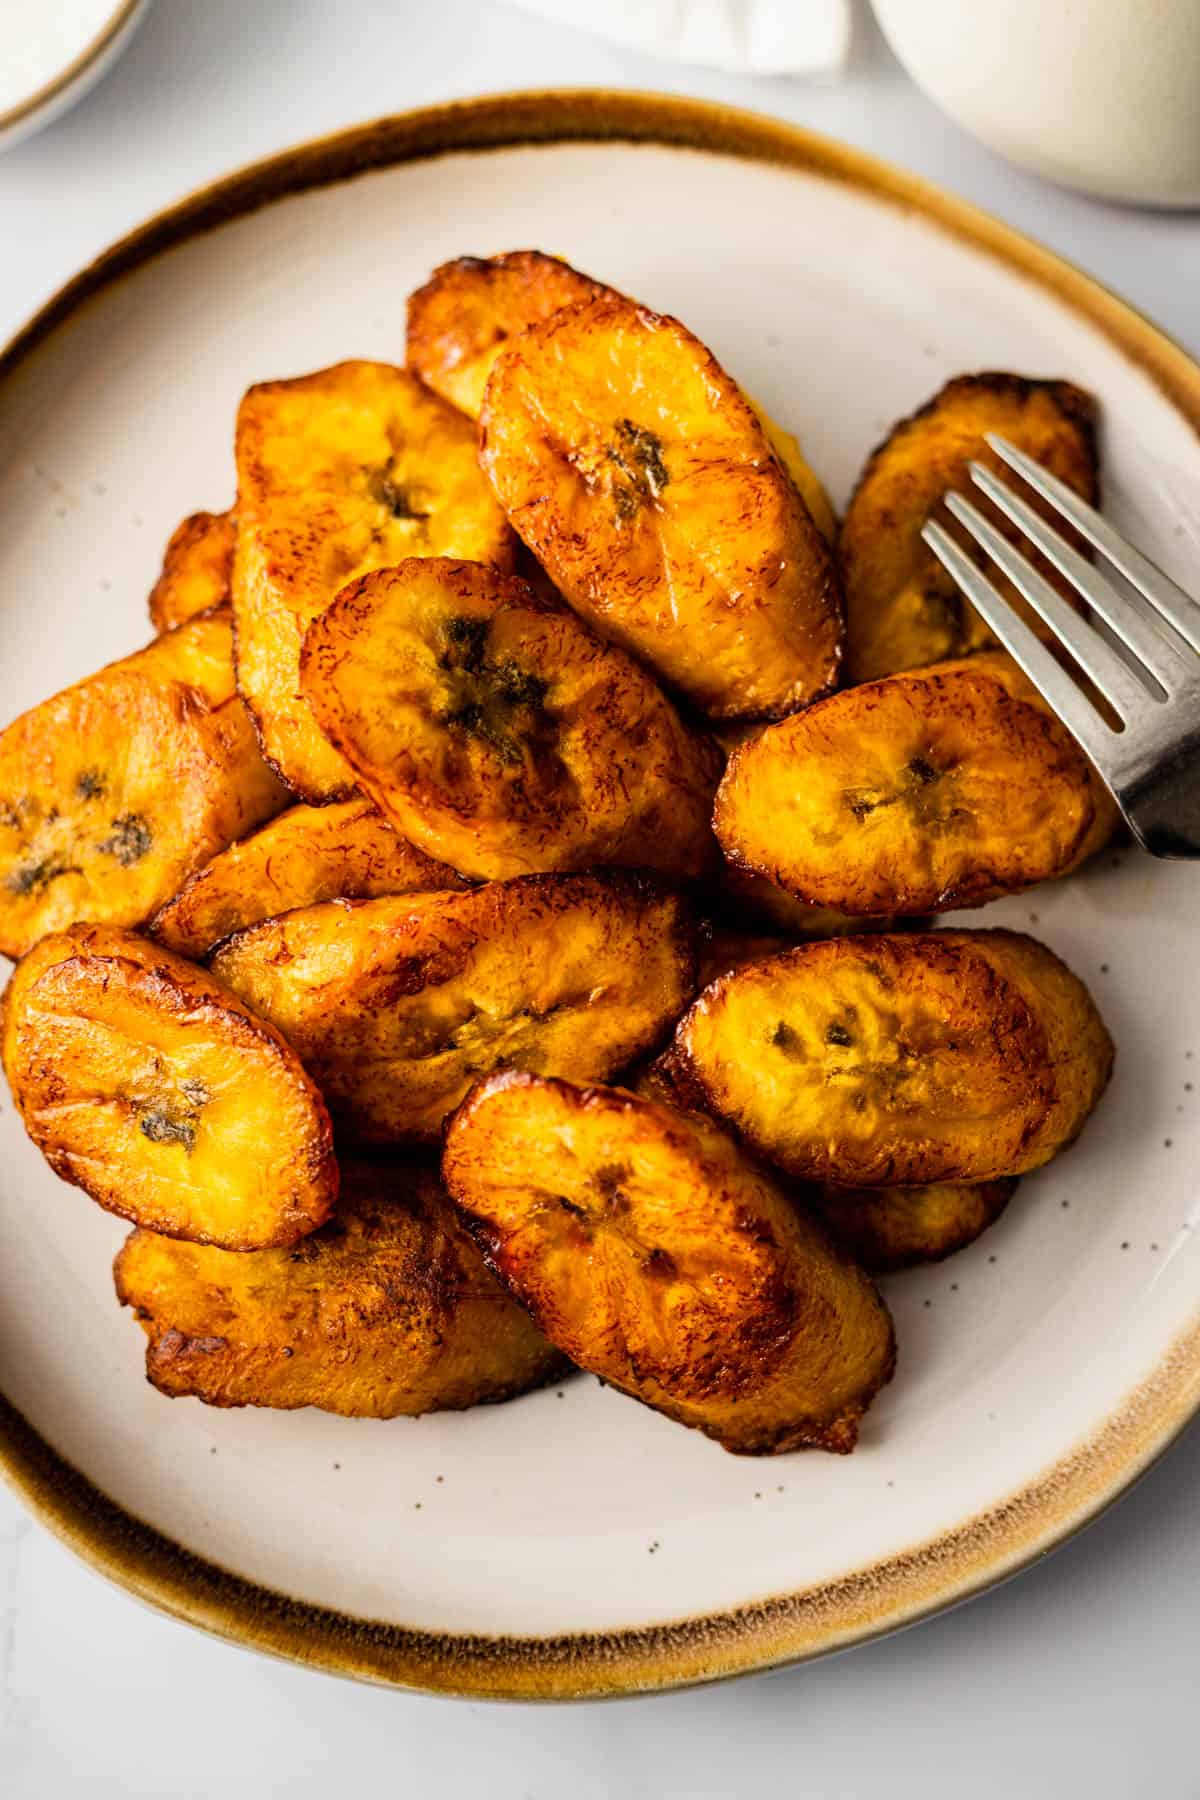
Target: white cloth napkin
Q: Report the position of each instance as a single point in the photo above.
(747, 37)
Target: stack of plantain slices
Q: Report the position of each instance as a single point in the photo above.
(484, 933)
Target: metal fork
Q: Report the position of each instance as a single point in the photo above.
(1151, 763)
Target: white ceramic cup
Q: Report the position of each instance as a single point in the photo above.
(1102, 95)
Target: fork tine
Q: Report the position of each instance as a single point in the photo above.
(1077, 713)
(1154, 643)
(1102, 665)
(1167, 598)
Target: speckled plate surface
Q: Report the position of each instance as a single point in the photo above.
(573, 1543)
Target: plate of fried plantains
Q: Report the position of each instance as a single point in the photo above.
(596, 1096)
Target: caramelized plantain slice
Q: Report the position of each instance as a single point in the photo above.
(892, 1228)
(655, 1254)
(147, 1084)
(897, 1061)
(641, 477)
(395, 1006)
(388, 1309)
(197, 570)
(882, 1228)
(936, 788)
(309, 853)
(465, 314)
(350, 469)
(902, 609)
(461, 320)
(499, 733)
(114, 791)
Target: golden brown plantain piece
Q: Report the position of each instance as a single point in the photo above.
(655, 1254)
(936, 788)
(461, 320)
(898, 1061)
(892, 1228)
(465, 314)
(395, 1006)
(882, 1228)
(350, 469)
(902, 609)
(197, 570)
(641, 477)
(499, 733)
(147, 1084)
(114, 791)
(309, 853)
(388, 1309)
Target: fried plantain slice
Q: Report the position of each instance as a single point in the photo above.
(655, 1254)
(197, 570)
(147, 1084)
(115, 790)
(886, 1229)
(463, 317)
(902, 609)
(388, 1309)
(882, 1228)
(465, 314)
(396, 1005)
(898, 1061)
(350, 469)
(932, 789)
(499, 733)
(641, 477)
(309, 853)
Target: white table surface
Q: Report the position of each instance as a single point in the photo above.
(1077, 1678)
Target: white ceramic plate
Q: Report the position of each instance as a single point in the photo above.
(572, 1542)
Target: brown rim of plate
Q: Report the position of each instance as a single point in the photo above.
(108, 33)
(835, 1614)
